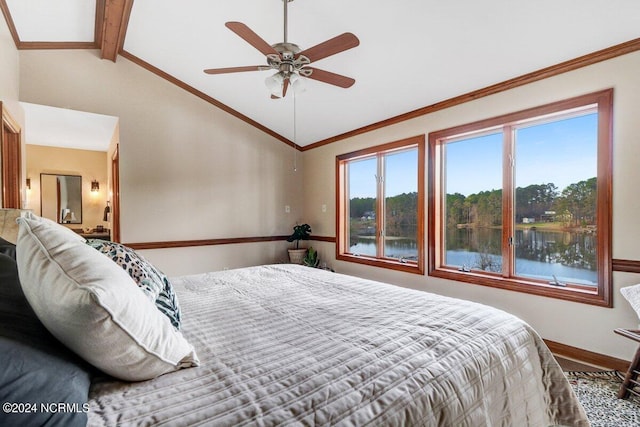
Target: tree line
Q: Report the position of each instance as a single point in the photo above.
(574, 206)
(401, 217)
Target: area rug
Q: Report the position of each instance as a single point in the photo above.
(597, 392)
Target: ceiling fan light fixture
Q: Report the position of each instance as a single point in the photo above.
(275, 83)
(297, 84)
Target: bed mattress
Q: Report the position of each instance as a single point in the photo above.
(292, 345)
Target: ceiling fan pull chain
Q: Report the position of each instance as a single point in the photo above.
(295, 148)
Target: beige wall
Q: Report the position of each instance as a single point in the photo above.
(9, 71)
(579, 325)
(187, 169)
(63, 161)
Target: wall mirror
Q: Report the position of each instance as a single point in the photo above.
(61, 198)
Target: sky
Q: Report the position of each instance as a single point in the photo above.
(401, 175)
(562, 152)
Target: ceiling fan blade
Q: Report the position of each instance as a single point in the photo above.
(235, 69)
(329, 77)
(330, 47)
(285, 86)
(252, 38)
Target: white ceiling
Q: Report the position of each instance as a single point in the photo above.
(61, 127)
(412, 53)
(54, 21)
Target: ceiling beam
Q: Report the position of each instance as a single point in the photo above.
(114, 26)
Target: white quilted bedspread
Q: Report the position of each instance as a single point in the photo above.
(291, 345)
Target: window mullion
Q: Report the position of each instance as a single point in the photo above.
(380, 221)
(344, 222)
(508, 196)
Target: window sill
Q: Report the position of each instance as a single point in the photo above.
(579, 294)
(391, 264)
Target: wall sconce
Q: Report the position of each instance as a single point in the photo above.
(95, 186)
(28, 183)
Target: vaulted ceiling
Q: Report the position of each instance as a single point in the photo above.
(414, 55)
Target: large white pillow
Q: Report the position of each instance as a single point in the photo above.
(94, 307)
(632, 294)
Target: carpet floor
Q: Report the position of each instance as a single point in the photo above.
(597, 392)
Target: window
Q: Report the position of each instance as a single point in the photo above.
(523, 201)
(380, 199)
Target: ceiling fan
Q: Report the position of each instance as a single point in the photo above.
(291, 61)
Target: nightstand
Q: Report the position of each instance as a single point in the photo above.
(105, 235)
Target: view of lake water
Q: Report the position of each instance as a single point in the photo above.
(569, 256)
(394, 248)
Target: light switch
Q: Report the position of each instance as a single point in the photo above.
(287, 209)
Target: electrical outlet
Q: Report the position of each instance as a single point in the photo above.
(287, 209)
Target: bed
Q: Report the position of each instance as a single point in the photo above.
(292, 345)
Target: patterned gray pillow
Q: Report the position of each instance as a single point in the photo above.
(150, 280)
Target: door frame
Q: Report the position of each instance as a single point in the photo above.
(10, 153)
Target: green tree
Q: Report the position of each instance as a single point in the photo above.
(534, 200)
(358, 206)
(579, 201)
(457, 210)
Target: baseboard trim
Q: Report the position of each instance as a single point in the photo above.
(587, 356)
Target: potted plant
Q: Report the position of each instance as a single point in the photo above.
(300, 232)
(311, 258)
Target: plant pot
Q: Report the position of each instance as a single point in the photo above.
(297, 255)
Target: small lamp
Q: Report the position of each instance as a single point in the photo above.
(95, 186)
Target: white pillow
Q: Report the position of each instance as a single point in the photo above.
(632, 294)
(94, 307)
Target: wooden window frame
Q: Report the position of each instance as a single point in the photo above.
(506, 280)
(342, 223)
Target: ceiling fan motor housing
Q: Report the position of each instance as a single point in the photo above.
(286, 62)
